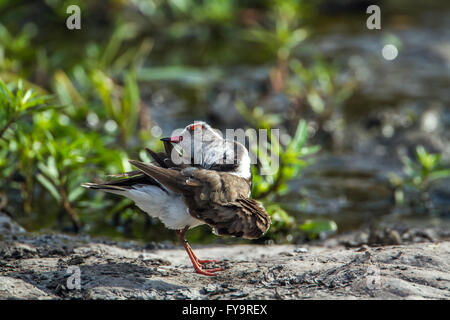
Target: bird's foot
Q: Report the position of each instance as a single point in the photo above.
(197, 263)
(202, 262)
(206, 272)
(201, 269)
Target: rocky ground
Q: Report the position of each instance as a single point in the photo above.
(413, 264)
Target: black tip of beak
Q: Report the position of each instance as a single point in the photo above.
(175, 139)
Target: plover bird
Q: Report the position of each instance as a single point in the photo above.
(193, 183)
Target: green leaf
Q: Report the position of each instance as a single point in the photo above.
(279, 215)
(317, 226)
(5, 90)
(49, 169)
(75, 194)
(49, 186)
(310, 150)
(186, 75)
(439, 174)
(427, 160)
(300, 137)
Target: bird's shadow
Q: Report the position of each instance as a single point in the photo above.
(121, 275)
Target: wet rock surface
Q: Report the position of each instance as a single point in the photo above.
(347, 267)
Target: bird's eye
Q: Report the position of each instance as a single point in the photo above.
(195, 126)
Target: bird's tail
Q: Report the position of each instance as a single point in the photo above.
(105, 187)
(132, 178)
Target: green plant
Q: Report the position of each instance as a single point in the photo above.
(291, 162)
(292, 157)
(40, 143)
(17, 103)
(317, 86)
(121, 104)
(315, 227)
(18, 148)
(285, 32)
(420, 173)
(67, 161)
(427, 169)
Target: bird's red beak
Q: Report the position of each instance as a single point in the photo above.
(174, 139)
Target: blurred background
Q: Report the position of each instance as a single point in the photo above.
(364, 140)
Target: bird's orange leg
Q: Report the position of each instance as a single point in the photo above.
(197, 263)
(200, 262)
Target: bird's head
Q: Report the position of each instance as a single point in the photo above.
(194, 137)
(201, 145)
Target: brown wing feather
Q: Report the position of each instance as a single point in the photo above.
(158, 157)
(243, 218)
(125, 174)
(172, 179)
(131, 178)
(126, 183)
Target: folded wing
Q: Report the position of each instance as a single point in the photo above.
(244, 218)
(217, 198)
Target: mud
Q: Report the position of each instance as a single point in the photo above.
(350, 266)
